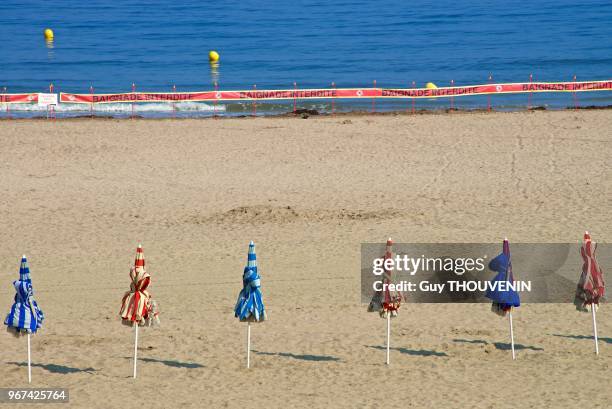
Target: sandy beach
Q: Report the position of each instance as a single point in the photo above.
(78, 195)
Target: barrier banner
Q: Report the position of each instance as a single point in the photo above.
(18, 98)
(136, 97)
(328, 93)
(513, 88)
(130, 97)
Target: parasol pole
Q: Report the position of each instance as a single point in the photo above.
(248, 344)
(511, 335)
(388, 335)
(135, 346)
(29, 361)
(594, 328)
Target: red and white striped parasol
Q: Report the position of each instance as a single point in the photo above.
(591, 288)
(387, 300)
(137, 306)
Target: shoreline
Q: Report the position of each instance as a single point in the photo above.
(309, 113)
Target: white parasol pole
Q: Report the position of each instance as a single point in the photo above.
(595, 328)
(248, 344)
(29, 361)
(511, 335)
(135, 346)
(388, 334)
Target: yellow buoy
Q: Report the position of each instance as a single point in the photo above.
(213, 56)
(48, 34)
(431, 85)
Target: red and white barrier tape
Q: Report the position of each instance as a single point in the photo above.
(324, 93)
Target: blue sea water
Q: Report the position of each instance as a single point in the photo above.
(157, 44)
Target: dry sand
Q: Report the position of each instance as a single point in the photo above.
(78, 195)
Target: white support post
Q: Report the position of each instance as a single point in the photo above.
(593, 306)
(135, 346)
(388, 335)
(248, 344)
(29, 361)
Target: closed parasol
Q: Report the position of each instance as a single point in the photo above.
(137, 306)
(25, 317)
(386, 301)
(501, 292)
(591, 288)
(249, 306)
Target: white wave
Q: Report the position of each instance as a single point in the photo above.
(120, 107)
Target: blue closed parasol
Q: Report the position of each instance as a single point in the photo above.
(249, 307)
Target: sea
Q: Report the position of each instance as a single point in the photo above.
(163, 45)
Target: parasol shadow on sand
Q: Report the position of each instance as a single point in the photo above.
(502, 346)
(171, 363)
(589, 337)
(413, 352)
(54, 368)
(301, 357)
